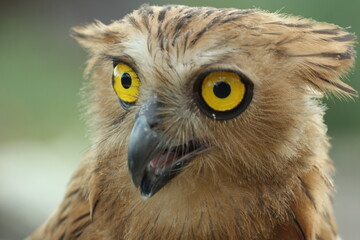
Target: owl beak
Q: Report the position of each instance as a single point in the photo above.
(152, 161)
(144, 142)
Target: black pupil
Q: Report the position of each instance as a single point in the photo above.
(126, 80)
(222, 89)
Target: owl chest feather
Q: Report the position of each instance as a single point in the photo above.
(206, 210)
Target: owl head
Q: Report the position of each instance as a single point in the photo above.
(185, 96)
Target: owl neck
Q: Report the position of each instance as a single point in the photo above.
(223, 207)
(206, 209)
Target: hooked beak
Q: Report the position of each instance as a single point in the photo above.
(144, 144)
(152, 163)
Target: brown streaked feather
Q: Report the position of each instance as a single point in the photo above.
(266, 175)
(73, 215)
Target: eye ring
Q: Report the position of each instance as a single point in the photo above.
(126, 84)
(231, 91)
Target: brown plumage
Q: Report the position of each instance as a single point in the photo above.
(256, 170)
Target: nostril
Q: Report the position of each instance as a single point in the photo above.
(153, 120)
(153, 124)
(150, 110)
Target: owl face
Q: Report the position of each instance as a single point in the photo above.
(180, 91)
(155, 156)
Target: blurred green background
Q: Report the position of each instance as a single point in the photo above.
(42, 136)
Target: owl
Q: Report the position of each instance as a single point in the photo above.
(206, 123)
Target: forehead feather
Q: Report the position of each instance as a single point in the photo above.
(318, 53)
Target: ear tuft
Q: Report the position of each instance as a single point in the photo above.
(322, 53)
(93, 37)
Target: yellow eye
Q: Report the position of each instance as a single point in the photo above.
(222, 91)
(126, 83)
(224, 94)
